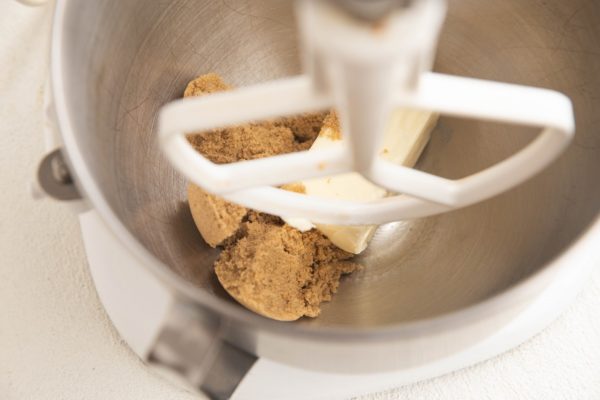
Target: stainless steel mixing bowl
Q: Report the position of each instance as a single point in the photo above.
(431, 286)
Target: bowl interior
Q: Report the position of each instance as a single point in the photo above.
(124, 60)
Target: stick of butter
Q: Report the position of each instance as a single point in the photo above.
(406, 135)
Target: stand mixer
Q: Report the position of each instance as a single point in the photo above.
(433, 286)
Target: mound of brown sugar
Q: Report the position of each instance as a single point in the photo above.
(266, 265)
(216, 218)
(251, 141)
(280, 272)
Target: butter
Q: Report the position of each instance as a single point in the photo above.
(406, 136)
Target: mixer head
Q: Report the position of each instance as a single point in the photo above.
(364, 59)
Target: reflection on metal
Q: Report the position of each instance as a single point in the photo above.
(55, 179)
(190, 344)
(227, 371)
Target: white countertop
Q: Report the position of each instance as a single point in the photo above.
(57, 343)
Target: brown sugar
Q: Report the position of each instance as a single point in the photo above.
(205, 84)
(280, 272)
(331, 127)
(266, 265)
(295, 187)
(246, 142)
(251, 141)
(216, 219)
(305, 128)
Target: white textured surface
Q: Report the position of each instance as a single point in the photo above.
(55, 340)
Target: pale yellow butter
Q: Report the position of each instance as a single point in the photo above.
(406, 136)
